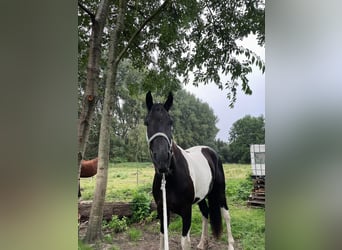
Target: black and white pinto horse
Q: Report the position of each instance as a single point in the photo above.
(192, 176)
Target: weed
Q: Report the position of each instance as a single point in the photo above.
(83, 246)
(134, 234)
(116, 224)
(239, 190)
(245, 189)
(108, 238)
(140, 206)
(151, 217)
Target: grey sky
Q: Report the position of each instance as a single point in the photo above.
(253, 105)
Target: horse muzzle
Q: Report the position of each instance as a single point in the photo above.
(162, 164)
(162, 169)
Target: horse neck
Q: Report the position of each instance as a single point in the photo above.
(176, 162)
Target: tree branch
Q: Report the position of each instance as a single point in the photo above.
(85, 9)
(136, 33)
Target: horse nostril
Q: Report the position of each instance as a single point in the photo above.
(154, 155)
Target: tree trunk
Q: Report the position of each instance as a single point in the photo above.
(96, 214)
(90, 96)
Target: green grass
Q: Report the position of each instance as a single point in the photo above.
(134, 234)
(123, 181)
(125, 178)
(248, 224)
(83, 246)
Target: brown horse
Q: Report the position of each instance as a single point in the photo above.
(88, 169)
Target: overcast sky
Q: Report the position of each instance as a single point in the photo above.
(253, 105)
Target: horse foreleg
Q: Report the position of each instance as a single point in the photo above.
(161, 220)
(161, 242)
(186, 242)
(186, 221)
(226, 216)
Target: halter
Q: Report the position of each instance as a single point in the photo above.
(160, 134)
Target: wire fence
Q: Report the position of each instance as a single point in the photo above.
(122, 184)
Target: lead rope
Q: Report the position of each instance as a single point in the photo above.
(166, 238)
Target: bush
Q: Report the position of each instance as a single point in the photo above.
(116, 224)
(239, 190)
(140, 206)
(244, 189)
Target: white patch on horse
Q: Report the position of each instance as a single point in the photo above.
(199, 170)
(186, 242)
(226, 216)
(204, 237)
(161, 242)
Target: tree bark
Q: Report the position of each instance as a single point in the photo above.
(96, 214)
(90, 96)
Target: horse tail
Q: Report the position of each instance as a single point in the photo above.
(215, 217)
(217, 199)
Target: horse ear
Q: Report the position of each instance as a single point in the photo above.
(149, 100)
(169, 101)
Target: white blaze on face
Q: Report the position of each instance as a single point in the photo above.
(199, 170)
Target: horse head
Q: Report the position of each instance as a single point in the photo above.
(159, 133)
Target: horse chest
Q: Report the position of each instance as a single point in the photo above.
(177, 194)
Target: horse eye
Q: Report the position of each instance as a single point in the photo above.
(145, 122)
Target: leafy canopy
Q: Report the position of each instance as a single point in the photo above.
(195, 41)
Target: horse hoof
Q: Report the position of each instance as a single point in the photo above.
(201, 248)
(202, 245)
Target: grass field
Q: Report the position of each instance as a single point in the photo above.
(248, 224)
(123, 180)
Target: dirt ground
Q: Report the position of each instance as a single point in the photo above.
(149, 240)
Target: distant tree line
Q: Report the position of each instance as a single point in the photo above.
(244, 132)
